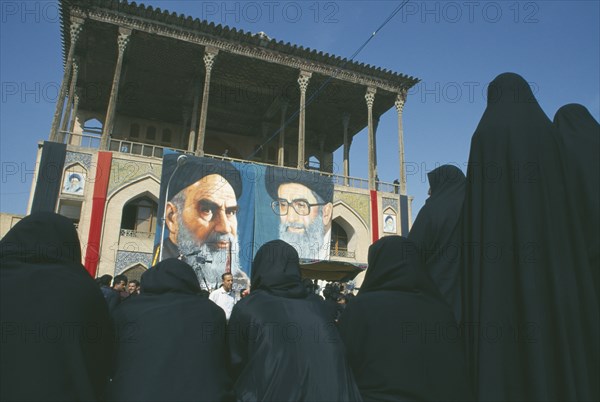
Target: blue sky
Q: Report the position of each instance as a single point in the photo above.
(455, 48)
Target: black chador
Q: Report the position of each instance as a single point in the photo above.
(528, 289)
(170, 341)
(402, 339)
(284, 345)
(436, 232)
(580, 137)
(56, 336)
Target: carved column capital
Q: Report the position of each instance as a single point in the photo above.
(400, 101)
(303, 80)
(75, 28)
(123, 39)
(370, 96)
(209, 59)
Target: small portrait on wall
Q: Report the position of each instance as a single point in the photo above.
(74, 182)
(389, 223)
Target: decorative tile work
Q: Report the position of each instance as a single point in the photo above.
(390, 202)
(126, 259)
(78, 157)
(359, 202)
(124, 171)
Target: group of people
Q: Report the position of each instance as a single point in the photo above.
(121, 289)
(514, 248)
(493, 296)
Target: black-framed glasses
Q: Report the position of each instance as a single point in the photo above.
(300, 205)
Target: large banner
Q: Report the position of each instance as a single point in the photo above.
(218, 213)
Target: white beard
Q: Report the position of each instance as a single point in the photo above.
(209, 273)
(307, 244)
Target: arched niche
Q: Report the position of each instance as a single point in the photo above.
(147, 186)
(355, 228)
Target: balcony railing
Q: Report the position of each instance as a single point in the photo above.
(156, 151)
(81, 140)
(116, 145)
(136, 148)
(341, 253)
(136, 234)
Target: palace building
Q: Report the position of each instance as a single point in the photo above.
(139, 80)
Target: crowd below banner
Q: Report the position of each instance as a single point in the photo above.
(514, 315)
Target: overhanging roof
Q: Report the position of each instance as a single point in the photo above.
(330, 270)
(163, 68)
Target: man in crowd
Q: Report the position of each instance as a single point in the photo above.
(224, 296)
(120, 286)
(133, 287)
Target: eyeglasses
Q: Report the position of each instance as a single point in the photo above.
(301, 206)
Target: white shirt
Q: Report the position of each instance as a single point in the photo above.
(223, 299)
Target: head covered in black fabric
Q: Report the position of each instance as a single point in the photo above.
(510, 95)
(574, 119)
(395, 264)
(196, 168)
(170, 275)
(510, 89)
(42, 237)
(321, 186)
(445, 180)
(276, 269)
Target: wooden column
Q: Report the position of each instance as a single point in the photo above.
(109, 121)
(194, 117)
(303, 79)
(186, 115)
(263, 142)
(281, 148)
(375, 170)
(370, 98)
(74, 31)
(69, 111)
(400, 100)
(209, 60)
(345, 123)
(76, 97)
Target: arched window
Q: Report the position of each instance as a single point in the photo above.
(92, 132)
(134, 130)
(339, 240)
(314, 163)
(139, 215)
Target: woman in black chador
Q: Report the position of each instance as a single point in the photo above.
(580, 135)
(283, 343)
(402, 339)
(436, 232)
(56, 337)
(529, 301)
(170, 341)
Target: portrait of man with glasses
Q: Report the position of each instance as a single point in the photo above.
(303, 202)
